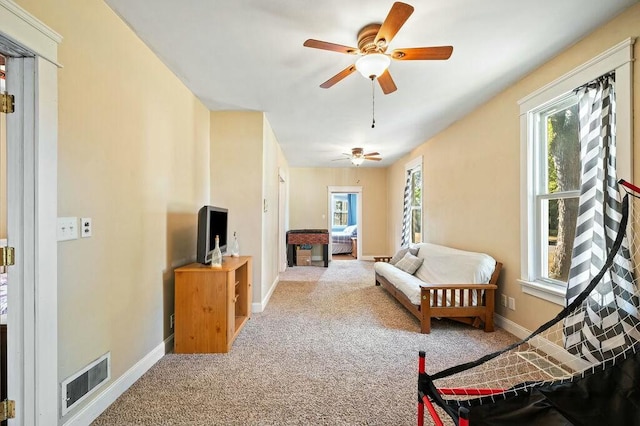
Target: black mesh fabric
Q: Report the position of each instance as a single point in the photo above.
(606, 394)
(610, 395)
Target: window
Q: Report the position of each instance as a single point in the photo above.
(550, 163)
(416, 205)
(557, 186)
(414, 169)
(340, 211)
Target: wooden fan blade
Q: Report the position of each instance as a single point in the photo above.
(372, 154)
(373, 158)
(324, 45)
(336, 78)
(396, 18)
(421, 53)
(386, 83)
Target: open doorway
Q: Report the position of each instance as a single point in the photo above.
(30, 177)
(345, 223)
(3, 240)
(282, 221)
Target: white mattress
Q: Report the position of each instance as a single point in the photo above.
(445, 265)
(406, 283)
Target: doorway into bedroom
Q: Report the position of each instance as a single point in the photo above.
(344, 223)
(3, 240)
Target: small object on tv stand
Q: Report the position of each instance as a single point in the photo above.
(235, 247)
(216, 255)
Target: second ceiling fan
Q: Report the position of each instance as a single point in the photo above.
(373, 41)
(358, 156)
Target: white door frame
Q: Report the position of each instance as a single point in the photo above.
(282, 220)
(31, 218)
(346, 190)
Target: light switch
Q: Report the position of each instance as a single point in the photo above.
(67, 228)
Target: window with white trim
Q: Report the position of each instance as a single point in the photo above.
(550, 164)
(556, 165)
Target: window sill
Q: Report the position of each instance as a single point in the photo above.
(550, 293)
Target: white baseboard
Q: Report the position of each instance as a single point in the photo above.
(259, 306)
(545, 345)
(104, 399)
(510, 326)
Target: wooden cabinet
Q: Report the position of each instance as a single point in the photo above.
(212, 305)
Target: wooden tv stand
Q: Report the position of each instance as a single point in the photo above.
(211, 305)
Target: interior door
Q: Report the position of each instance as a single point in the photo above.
(332, 209)
(3, 243)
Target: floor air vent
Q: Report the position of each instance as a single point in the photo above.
(83, 383)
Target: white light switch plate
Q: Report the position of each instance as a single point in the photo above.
(67, 228)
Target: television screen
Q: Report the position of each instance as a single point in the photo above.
(212, 221)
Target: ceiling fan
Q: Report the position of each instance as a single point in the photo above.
(358, 156)
(373, 41)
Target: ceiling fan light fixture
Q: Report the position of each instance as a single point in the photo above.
(373, 65)
(357, 160)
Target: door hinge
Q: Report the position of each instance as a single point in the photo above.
(6, 103)
(7, 256)
(7, 409)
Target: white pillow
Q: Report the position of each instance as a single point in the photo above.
(409, 263)
(400, 254)
(350, 230)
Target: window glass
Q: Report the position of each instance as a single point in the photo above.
(563, 148)
(558, 146)
(561, 231)
(340, 213)
(416, 226)
(416, 205)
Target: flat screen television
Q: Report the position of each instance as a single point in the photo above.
(212, 221)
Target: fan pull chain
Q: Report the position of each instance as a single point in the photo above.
(373, 104)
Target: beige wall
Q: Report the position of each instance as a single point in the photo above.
(236, 179)
(274, 164)
(472, 170)
(133, 152)
(309, 202)
(245, 157)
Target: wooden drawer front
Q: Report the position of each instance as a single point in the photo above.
(308, 239)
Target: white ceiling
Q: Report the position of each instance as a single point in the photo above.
(248, 55)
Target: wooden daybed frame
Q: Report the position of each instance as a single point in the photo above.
(460, 310)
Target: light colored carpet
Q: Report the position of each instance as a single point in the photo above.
(331, 348)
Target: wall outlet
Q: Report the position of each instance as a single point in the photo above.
(171, 321)
(86, 230)
(512, 303)
(503, 300)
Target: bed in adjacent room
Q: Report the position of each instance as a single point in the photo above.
(3, 335)
(3, 298)
(341, 240)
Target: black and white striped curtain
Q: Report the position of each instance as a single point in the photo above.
(406, 213)
(601, 328)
